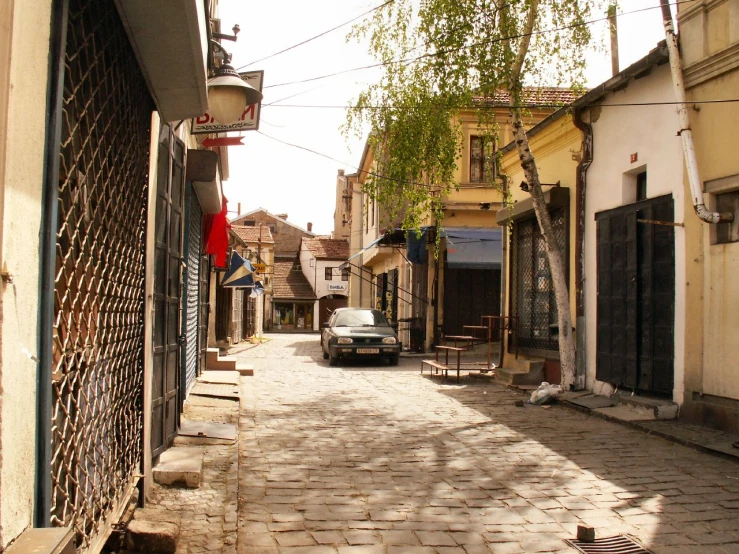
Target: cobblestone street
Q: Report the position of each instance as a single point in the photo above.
(365, 459)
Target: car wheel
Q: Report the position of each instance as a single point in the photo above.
(333, 359)
(393, 360)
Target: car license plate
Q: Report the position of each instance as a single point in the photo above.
(368, 350)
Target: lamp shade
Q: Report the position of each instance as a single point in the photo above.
(229, 95)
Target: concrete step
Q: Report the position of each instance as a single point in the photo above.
(222, 363)
(657, 407)
(44, 541)
(153, 530)
(212, 354)
(180, 466)
(197, 433)
(524, 372)
(245, 370)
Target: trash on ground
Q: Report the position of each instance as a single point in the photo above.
(545, 393)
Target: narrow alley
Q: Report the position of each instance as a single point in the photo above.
(375, 459)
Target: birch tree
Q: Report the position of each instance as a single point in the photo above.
(443, 56)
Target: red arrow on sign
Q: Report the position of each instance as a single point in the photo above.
(222, 141)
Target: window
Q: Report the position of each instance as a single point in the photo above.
(641, 186)
(728, 232)
(366, 212)
(328, 273)
(483, 160)
(532, 296)
(345, 274)
(249, 223)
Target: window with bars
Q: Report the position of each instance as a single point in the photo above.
(345, 274)
(532, 293)
(328, 273)
(483, 166)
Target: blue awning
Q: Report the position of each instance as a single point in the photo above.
(370, 245)
(473, 247)
(239, 274)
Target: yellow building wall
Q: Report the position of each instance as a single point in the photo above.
(709, 36)
(556, 149)
(24, 51)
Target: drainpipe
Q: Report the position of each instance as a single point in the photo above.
(696, 187)
(580, 192)
(434, 334)
(503, 284)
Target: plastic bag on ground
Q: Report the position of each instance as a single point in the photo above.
(545, 393)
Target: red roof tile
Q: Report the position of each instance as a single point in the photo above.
(328, 249)
(289, 282)
(534, 96)
(252, 234)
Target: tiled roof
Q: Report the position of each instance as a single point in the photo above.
(537, 96)
(328, 249)
(289, 282)
(252, 234)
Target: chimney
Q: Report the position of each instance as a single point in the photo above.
(341, 173)
(613, 24)
(309, 227)
(238, 209)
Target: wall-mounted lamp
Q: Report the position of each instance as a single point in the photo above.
(228, 93)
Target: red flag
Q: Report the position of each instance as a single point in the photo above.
(215, 229)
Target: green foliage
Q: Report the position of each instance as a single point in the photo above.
(444, 56)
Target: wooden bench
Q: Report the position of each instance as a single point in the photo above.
(466, 340)
(446, 350)
(434, 367)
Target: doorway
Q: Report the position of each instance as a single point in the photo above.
(167, 290)
(636, 296)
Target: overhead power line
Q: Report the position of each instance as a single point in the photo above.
(370, 173)
(317, 36)
(408, 61)
(503, 105)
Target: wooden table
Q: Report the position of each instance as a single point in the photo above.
(446, 350)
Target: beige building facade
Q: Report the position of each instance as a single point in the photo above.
(709, 42)
(441, 296)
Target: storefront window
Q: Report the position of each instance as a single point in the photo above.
(284, 314)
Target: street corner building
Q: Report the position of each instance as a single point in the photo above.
(110, 212)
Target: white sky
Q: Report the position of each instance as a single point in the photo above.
(282, 179)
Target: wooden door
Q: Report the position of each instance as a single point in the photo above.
(636, 296)
(167, 290)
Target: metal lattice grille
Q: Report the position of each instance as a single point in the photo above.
(97, 377)
(532, 294)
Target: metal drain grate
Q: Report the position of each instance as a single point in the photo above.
(621, 544)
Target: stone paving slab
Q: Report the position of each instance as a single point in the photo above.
(365, 459)
(372, 459)
(219, 377)
(215, 390)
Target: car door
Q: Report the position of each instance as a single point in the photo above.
(326, 333)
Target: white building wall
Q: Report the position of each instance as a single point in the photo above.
(24, 51)
(324, 287)
(649, 132)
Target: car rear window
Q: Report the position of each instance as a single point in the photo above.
(359, 318)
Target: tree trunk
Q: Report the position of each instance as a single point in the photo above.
(554, 256)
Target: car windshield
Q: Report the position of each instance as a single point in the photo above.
(360, 318)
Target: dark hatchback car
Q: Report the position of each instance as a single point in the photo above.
(359, 333)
